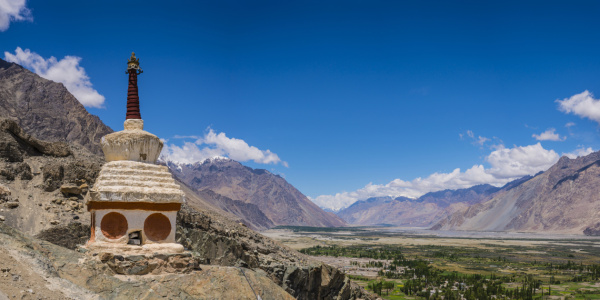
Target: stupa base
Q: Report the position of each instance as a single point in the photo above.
(124, 249)
(137, 264)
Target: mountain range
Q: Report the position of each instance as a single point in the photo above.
(563, 199)
(421, 212)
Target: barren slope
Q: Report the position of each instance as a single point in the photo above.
(266, 193)
(46, 109)
(564, 199)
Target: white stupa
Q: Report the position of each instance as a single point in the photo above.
(134, 202)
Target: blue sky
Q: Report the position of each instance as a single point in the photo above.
(352, 98)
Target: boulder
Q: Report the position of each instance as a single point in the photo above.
(4, 193)
(70, 189)
(12, 204)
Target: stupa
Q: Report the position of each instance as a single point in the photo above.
(134, 202)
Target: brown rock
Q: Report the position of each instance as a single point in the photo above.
(4, 192)
(12, 204)
(70, 189)
(84, 188)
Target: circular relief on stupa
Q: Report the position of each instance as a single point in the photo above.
(113, 225)
(157, 227)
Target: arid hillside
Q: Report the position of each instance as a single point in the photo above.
(564, 199)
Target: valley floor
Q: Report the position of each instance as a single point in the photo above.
(425, 264)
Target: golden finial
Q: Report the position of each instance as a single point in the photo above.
(133, 64)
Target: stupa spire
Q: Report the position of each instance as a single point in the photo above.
(133, 100)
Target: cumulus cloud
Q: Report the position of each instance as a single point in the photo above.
(549, 135)
(583, 105)
(520, 161)
(505, 165)
(580, 151)
(213, 145)
(11, 11)
(66, 71)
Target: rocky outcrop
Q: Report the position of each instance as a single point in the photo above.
(563, 199)
(183, 263)
(224, 242)
(32, 268)
(33, 171)
(46, 109)
(278, 200)
(9, 149)
(68, 236)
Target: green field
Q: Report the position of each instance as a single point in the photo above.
(429, 267)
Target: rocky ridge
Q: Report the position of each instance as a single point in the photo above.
(268, 194)
(46, 109)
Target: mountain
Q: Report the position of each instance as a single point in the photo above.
(563, 199)
(46, 109)
(469, 196)
(236, 188)
(422, 212)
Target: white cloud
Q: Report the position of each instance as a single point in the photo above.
(581, 151)
(13, 10)
(520, 161)
(470, 134)
(583, 105)
(506, 165)
(218, 145)
(570, 124)
(66, 71)
(481, 140)
(549, 135)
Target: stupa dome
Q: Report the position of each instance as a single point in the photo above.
(132, 144)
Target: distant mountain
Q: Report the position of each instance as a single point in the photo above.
(564, 199)
(252, 194)
(469, 196)
(46, 109)
(422, 212)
